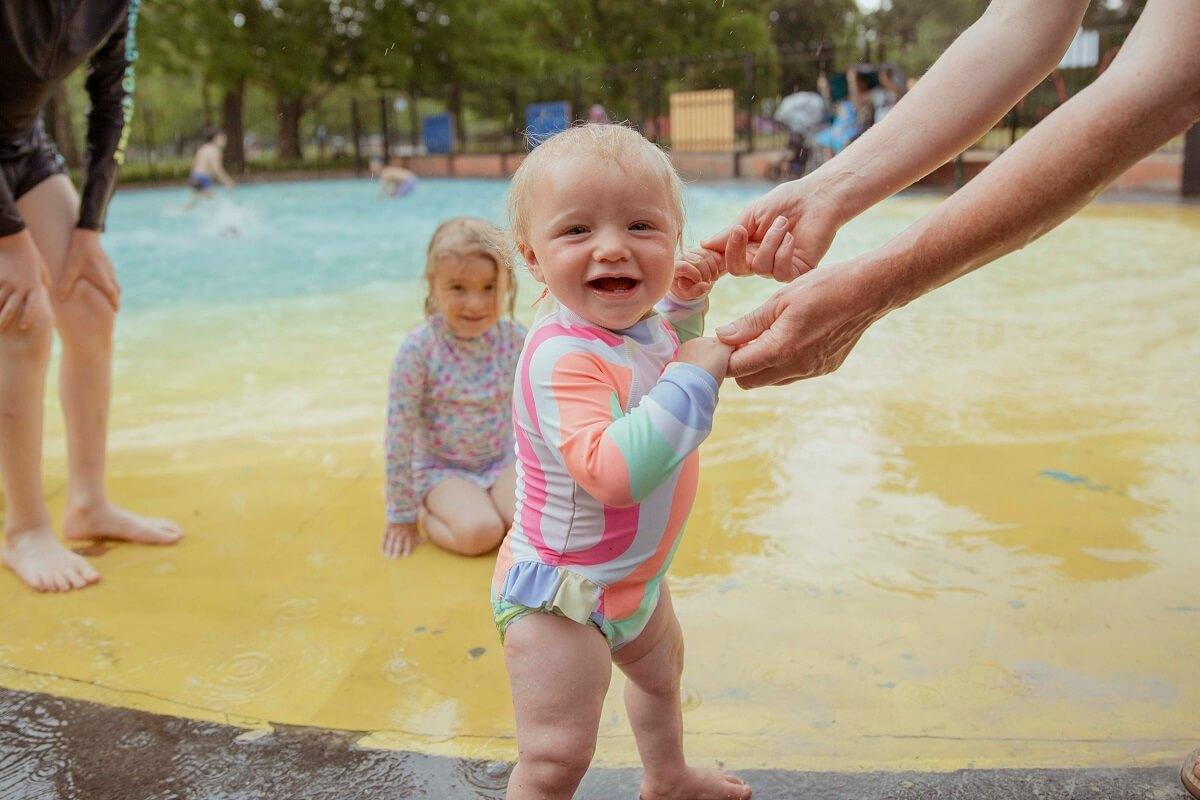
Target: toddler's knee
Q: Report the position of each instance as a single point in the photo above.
(558, 770)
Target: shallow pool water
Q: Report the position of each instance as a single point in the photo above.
(973, 545)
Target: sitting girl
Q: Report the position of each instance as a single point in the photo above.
(609, 411)
(449, 427)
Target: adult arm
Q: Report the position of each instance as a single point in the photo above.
(991, 66)
(110, 87)
(1149, 95)
(109, 84)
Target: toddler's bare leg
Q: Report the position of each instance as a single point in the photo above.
(504, 495)
(559, 671)
(653, 663)
(460, 517)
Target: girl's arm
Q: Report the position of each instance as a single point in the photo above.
(618, 458)
(406, 387)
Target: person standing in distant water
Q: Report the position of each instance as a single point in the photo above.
(208, 166)
(54, 273)
(394, 180)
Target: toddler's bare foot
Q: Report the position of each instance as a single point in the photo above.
(43, 563)
(106, 521)
(695, 783)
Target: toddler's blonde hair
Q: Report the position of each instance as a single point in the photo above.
(459, 237)
(619, 144)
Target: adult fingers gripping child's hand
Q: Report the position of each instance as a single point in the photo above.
(711, 355)
(399, 539)
(695, 273)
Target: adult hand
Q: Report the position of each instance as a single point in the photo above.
(805, 329)
(399, 539)
(789, 231)
(22, 281)
(87, 261)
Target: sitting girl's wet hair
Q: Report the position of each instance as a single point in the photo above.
(618, 144)
(460, 237)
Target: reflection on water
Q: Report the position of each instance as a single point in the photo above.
(902, 564)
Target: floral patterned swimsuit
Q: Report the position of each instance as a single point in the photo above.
(449, 411)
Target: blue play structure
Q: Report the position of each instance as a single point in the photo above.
(543, 120)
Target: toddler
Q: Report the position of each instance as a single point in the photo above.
(609, 410)
(449, 427)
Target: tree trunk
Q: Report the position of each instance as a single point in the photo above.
(58, 123)
(231, 122)
(288, 111)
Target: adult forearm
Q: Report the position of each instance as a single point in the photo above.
(982, 75)
(1150, 95)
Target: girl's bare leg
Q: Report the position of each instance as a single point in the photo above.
(559, 672)
(85, 323)
(653, 663)
(460, 517)
(504, 495)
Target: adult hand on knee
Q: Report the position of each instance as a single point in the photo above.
(87, 261)
(22, 276)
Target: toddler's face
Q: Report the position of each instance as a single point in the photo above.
(602, 239)
(466, 294)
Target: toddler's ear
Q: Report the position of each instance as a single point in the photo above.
(535, 269)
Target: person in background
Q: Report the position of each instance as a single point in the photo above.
(449, 435)
(54, 274)
(208, 166)
(394, 179)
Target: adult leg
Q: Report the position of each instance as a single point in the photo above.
(85, 325)
(653, 664)
(504, 495)
(30, 547)
(559, 672)
(460, 517)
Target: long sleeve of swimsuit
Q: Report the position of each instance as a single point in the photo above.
(686, 316)
(406, 388)
(10, 218)
(619, 457)
(110, 86)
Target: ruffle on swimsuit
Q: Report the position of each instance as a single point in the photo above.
(541, 586)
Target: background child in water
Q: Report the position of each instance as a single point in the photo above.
(449, 427)
(609, 412)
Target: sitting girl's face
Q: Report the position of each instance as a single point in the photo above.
(601, 238)
(466, 294)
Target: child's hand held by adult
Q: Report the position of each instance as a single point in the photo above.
(695, 273)
(711, 355)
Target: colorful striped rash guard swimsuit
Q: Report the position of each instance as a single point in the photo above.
(607, 428)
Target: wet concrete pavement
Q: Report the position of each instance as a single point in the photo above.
(58, 749)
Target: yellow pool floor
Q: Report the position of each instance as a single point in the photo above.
(975, 545)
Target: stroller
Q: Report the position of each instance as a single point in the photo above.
(803, 114)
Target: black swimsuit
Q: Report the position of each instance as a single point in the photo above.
(41, 43)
